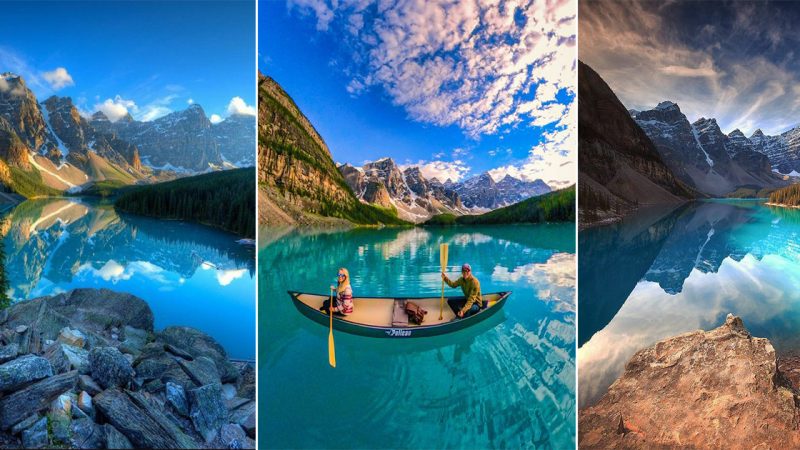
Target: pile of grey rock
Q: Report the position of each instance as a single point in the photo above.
(84, 369)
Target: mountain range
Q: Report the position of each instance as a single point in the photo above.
(49, 146)
(704, 157)
(300, 184)
(629, 158)
(417, 198)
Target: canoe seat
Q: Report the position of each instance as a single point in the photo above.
(399, 316)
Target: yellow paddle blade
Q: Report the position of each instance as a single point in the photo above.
(443, 256)
(331, 350)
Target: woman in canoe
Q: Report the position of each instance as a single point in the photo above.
(471, 288)
(343, 304)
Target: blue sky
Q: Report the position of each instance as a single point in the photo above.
(735, 61)
(146, 58)
(454, 88)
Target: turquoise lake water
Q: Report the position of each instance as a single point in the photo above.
(662, 272)
(189, 274)
(508, 382)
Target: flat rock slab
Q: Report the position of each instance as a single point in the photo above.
(16, 407)
(714, 389)
(21, 371)
(207, 410)
(140, 421)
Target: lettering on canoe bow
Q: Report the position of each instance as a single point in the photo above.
(395, 332)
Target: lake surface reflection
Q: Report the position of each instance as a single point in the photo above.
(189, 274)
(661, 272)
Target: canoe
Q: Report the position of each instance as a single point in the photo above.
(385, 317)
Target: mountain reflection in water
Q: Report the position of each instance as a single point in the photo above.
(661, 273)
(54, 245)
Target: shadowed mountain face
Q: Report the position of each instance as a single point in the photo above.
(702, 156)
(620, 167)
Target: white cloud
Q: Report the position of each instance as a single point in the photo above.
(553, 160)
(117, 108)
(441, 170)
(115, 272)
(237, 105)
(434, 59)
(226, 277)
(58, 78)
(215, 118)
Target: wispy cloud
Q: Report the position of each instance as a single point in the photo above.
(732, 61)
(470, 64)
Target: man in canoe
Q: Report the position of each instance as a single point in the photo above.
(343, 302)
(471, 288)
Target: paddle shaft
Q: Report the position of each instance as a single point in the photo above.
(331, 347)
(443, 261)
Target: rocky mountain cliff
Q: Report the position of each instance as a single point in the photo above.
(298, 180)
(704, 157)
(620, 168)
(483, 192)
(181, 141)
(236, 136)
(715, 389)
(783, 150)
(385, 184)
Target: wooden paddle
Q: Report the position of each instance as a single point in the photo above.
(443, 262)
(331, 347)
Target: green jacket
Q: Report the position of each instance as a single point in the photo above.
(471, 289)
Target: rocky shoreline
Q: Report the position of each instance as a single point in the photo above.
(85, 369)
(706, 389)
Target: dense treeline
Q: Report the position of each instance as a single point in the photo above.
(789, 196)
(556, 206)
(223, 199)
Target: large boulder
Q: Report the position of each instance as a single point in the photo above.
(196, 343)
(110, 368)
(714, 389)
(92, 311)
(21, 371)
